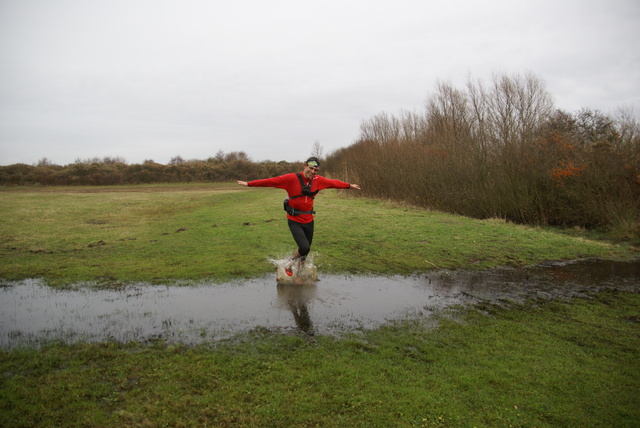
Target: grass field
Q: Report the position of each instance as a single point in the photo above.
(222, 231)
(560, 364)
(544, 364)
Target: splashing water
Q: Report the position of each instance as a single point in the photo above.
(302, 272)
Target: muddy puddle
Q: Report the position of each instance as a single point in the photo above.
(33, 314)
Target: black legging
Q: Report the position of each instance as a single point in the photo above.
(303, 235)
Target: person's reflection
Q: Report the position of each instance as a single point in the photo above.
(296, 298)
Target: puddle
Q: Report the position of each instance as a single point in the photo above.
(33, 314)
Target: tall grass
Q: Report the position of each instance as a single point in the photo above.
(502, 150)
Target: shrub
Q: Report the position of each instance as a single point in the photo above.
(502, 150)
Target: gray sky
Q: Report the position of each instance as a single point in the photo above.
(152, 79)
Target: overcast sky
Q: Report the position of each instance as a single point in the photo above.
(153, 79)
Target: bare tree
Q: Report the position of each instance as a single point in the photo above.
(317, 150)
(176, 160)
(44, 162)
(519, 105)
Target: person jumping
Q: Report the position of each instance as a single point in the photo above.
(302, 188)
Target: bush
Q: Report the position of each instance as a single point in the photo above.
(502, 150)
(112, 171)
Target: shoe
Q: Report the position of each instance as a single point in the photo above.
(288, 267)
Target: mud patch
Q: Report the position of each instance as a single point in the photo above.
(33, 314)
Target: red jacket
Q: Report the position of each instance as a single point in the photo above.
(291, 184)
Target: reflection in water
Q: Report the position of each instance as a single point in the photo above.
(32, 313)
(297, 297)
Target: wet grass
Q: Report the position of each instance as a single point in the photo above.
(221, 231)
(549, 364)
(571, 364)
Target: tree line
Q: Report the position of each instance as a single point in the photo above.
(115, 170)
(501, 149)
(497, 149)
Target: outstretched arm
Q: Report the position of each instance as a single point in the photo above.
(243, 183)
(354, 186)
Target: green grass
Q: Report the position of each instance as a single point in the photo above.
(222, 231)
(553, 364)
(131, 234)
(570, 364)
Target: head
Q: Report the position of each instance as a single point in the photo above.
(311, 167)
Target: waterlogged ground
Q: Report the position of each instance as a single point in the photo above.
(32, 313)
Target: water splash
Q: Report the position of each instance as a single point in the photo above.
(303, 273)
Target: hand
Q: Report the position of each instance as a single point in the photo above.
(243, 183)
(354, 186)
